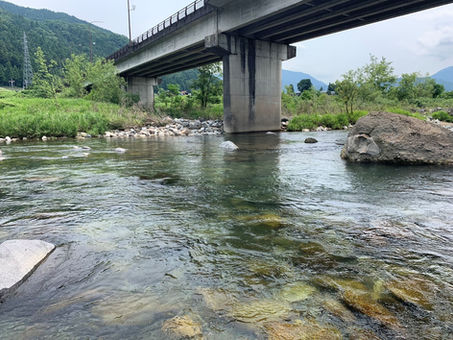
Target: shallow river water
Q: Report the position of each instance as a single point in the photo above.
(279, 240)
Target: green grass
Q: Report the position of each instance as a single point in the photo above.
(22, 116)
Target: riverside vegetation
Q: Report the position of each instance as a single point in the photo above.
(59, 104)
(373, 87)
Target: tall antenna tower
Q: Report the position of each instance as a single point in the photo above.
(28, 71)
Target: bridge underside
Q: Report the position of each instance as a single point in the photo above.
(252, 51)
(311, 19)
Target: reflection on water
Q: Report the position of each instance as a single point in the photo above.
(179, 238)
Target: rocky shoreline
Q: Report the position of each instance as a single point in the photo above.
(177, 127)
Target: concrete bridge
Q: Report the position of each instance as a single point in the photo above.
(252, 38)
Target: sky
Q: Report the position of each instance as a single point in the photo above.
(420, 42)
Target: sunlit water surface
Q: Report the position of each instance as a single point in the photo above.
(279, 236)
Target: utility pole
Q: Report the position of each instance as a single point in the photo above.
(91, 40)
(129, 20)
(11, 83)
(28, 71)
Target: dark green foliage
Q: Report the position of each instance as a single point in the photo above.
(208, 86)
(304, 85)
(443, 116)
(59, 35)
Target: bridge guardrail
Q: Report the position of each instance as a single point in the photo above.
(173, 19)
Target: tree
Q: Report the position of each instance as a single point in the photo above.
(331, 89)
(75, 76)
(45, 84)
(348, 89)
(304, 85)
(107, 86)
(208, 84)
(406, 87)
(379, 74)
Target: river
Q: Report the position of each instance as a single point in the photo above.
(280, 237)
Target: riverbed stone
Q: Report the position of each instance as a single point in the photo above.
(364, 303)
(414, 291)
(183, 327)
(300, 330)
(18, 260)
(391, 138)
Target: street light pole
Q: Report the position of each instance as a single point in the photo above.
(129, 19)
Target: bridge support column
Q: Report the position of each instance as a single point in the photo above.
(144, 87)
(252, 81)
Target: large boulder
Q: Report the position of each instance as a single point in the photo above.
(391, 138)
(18, 260)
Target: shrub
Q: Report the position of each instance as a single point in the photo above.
(443, 116)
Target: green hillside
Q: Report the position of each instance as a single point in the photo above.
(58, 34)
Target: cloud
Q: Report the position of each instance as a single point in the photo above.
(436, 43)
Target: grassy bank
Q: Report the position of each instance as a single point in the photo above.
(22, 116)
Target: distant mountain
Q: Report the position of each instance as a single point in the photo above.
(445, 77)
(291, 77)
(58, 34)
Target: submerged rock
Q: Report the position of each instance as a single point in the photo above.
(296, 292)
(260, 310)
(339, 310)
(18, 260)
(365, 304)
(392, 138)
(130, 309)
(120, 150)
(270, 221)
(183, 327)
(300, 330)
(415, 291)
(230, 146)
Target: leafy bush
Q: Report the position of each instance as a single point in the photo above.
(443, 116)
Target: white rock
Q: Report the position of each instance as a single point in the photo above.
(8, 140)
(120, 150)
(270, 133)
(44, 138)
(228, 145)
(18, 259)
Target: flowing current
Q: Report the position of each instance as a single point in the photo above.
(279, 240)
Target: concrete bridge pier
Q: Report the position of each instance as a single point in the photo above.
(144, 87)
(252, 81)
